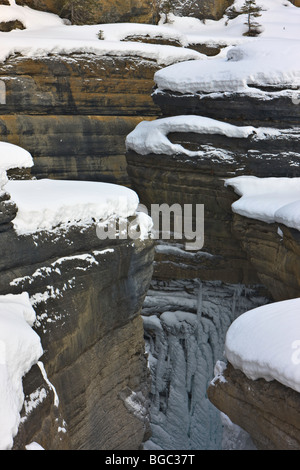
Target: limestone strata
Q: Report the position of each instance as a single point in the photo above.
(274, 251)
(162, 179)
(231, 107)
(234, 250)
(72, 147)
(87, 294)
(73, 112)
(268, 411)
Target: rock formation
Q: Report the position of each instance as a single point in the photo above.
(141, 11)
(73, 113)
(268, 411)
(185, 158)
(87, 293)
(101, 11)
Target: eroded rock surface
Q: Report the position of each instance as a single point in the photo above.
(72, 113)
(87, 294)
(268, 411)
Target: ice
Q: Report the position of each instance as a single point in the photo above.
(185, 327)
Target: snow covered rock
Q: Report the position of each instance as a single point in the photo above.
(266, 224)
(263, 344)
(87, 291)
(268, 411)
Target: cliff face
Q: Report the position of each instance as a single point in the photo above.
(186, 158)
(73, 112)
(132, 10)
(267, 410)
(87, 294)
(99, 11)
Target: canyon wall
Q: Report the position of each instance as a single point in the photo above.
(259, 261)
(87, 294)
(269, 411)
(72, 113)
(141, 11)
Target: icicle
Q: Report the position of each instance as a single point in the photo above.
(199, 301)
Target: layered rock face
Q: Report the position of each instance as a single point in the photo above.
(73, 112)
(87, 294)
(186, 159)
(270, 412)
(262, 256)
(274, 251)
(100, 11)
(142, 11)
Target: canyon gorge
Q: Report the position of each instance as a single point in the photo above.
(133, 330)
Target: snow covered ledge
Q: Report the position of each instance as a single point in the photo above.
(12, 156)
(270, 200)
(152, 136)
(258, 388)
(265, 343)
(48, 205)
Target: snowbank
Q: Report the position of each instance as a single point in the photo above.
(151, 136)
(20, 348)
(31, 19)
(245, 69)
(111, 33)
(46, 33)
(46, 204)
(270, 60)
(269, 200)
(265, 343)
(279, 19)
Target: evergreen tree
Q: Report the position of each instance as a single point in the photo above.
(252, 11)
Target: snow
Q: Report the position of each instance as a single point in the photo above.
(34, 446)
(75, 203)
(279, 19)
(111, 33)
(270, 200)
(46, 33)
(20, 348)
(12, 156)
(151, 136)
(265, 343)
(245, 69)
(248, 66)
